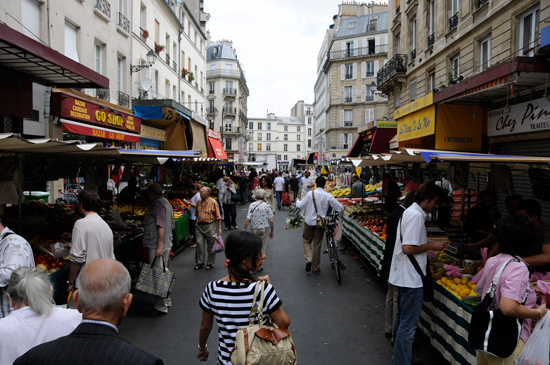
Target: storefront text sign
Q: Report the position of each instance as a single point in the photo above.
(457, 130)
(153, 133)
(83, 110)
(418, 124)
(213, 134)
(78, 128)
(531, 116)
(386, 124)
(414, 106)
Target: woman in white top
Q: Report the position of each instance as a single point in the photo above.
(266, 185)
(35, 318)
(260, 218)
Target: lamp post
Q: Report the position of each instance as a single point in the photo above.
(151, 59)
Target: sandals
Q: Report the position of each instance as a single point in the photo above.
(208, 267)
(199, 266)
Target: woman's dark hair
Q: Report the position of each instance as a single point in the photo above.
(238, 247)
(320, 182)
(514, 235)
(269, 184)
(90, 200)
(429, 190)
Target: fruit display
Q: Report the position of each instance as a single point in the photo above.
(338, 193)
(127, 208)
(48, 263)
(459, 287)
(179, 207)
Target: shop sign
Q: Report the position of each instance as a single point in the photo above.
(457, 130)
(153, 133)
(77, 128)
(386, 124)
(213, 134)
(418, 124)
(531, 116)
(414, 106)
(98, 114)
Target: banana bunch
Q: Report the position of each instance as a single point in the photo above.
(177, 215)
(370, 187)
(338, 193)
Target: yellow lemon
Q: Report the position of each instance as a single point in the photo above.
(465, 280)
(443, 279)
(456, 280)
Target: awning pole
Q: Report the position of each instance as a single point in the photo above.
(20, 206)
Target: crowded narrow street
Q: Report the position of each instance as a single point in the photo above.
(330, 323)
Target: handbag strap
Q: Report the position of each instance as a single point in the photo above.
(411, 257)
(314, 204)
(257, 311)
(163, 263)
(494, 283)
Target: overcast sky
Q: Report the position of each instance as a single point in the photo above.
(277, 43)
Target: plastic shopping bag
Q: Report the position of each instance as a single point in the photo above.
(536, 349)
(218, 244)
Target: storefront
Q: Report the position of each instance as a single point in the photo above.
(215, 148)
(373, 138)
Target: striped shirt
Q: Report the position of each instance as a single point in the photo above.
(231, 303)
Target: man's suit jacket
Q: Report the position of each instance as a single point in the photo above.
(89, 343)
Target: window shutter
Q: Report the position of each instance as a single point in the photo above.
(356, 47)
(363, 69)
(377, 48)
(375, 94)
(354, 93)
(342, 94)
(341, 118)
(342, 72)
(350, 136)
(376, 67)
(341, 140)
(344, 49)
(363, 93)
(354, 70)
(364, 47)
(386, 43)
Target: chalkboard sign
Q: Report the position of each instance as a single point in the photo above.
(459, 173)
(502, 179)
(540, 183)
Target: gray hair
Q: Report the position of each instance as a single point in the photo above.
(260, 194)
(208, 190)
(103, 288)
(31, 286)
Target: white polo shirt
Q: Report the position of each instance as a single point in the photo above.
(413, 228)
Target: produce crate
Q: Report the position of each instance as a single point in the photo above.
(35, 195)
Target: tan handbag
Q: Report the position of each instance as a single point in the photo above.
(262, 344)
(321, 222)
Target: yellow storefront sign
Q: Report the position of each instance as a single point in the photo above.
(386, 124)
(459, 127)
(414, 106)
(417, 124)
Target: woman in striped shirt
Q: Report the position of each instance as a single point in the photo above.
(230, 299)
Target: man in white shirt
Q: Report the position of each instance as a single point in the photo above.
(411, 240)
(312, 233)
(279, 186)
(192, 206)
(307, 183)
(219, 185)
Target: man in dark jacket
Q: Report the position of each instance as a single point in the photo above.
(243, 187)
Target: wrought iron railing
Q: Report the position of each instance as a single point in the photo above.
(123, 22)
(123, 99)
(397, 65)
(103, 94)
(141, 33)
(413, 54)
(229, 110)
(211, 111)
(174, 66)
(348, 99)
(104, 7)
(372, 50)
(142, 93)
(349, 76)
(480, 3)
(431, 39)
(453, 22)
(229, 91)
(348, 123)
(168, 59)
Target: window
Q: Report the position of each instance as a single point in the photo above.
(250, 147)
(372, 24)
(431, 17)
(412, 90)
(285, 147)
(268, 136)
(348, 94)
(431, 81)
(285, 137)
(345, 140)
(455, 67)
(298, 129)
(228, 143)
(229, 87)
(369, 116)
(285, 128)
(348, 118)
(259, 125)
(528, 30)
(370, 69)
(349, 49)
(299, 137)
(71, 44)
(484, 53)
(309, 131)
(352, 25)
(143, 17)
(371, 46)
(371, 93)
(259, 146)
(211, 106)
(397, 99)
(278, 157)
(229, 125)
(268, 126)
(413, 53)
(309, 120)
(454, 7)
(119, 73)
(259, 136)
(349, 71)
(212, 87)
(97, 58)
(228, 69)
(309, 143)
(251, 125)
(268, 146)
(30, 17)
(285, 158)
(298, 147)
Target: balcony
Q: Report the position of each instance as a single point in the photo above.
(229, 110)
(349, 76)
(348, 123)
(141, 33)
(431, 40)
(453, 22)
(123, 99)
(413, 54)
(211, 111)
(480, 3)
(103, 94)
(142, 93)
(348, 99)
(104, 7)
(168, 59)
(174, 66)
(391, 71)
(356, 52)
(124, 23)
(230, 91)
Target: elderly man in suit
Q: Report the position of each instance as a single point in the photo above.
(103, 296)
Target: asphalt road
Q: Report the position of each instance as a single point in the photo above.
(330, 323)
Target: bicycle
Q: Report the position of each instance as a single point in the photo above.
(332, 247)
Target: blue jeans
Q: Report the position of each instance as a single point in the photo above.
(409, 306)
(279, 195)
(244, 196)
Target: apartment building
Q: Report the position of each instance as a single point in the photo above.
(457, 66)
(304, 112)
(346, 94)
(227, 95)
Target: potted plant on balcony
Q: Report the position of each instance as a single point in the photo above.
(145, 33)
(184, 72)
(191, 76)
(158, 48)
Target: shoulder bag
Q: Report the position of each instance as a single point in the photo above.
(491, 331)
(260, 344)
(156, 280)
(321, 222)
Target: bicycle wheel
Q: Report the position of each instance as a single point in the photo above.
(335, 262)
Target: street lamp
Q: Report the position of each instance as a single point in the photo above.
(151, 59)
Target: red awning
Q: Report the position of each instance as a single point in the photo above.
(216, 149)
(381, 140)
(87, 130)
(44, 65)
